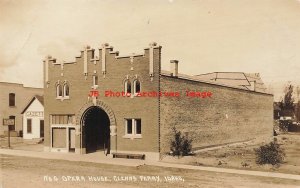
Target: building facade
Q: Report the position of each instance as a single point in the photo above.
(33, 118)
(13, 98)
(127, 104)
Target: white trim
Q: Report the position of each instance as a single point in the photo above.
(128, 56)
(85, 61)
(103, 58)
(133, 134)
(67, 128)
(151, 61)
(95, 85)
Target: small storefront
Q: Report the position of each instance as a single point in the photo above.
(33, 119)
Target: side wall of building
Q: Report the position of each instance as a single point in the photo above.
(23, 95)
(229, 115)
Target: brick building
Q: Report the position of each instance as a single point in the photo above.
(127, 104)
(13, 99)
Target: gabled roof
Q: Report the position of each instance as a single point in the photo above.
(39, 98)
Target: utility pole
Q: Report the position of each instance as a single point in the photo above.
(298, 104)
(8, 136)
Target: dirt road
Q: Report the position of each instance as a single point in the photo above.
(33, 172)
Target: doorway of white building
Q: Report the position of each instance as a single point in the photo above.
(42, 128)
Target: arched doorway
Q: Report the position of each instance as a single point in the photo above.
(95, 130)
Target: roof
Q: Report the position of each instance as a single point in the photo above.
(237, 80)
(249, 81)
(19, 85)
(38, 97)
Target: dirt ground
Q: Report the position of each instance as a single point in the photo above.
(242, 156)
(19, 143)
(33, 172)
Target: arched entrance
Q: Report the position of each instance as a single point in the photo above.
(95, 130)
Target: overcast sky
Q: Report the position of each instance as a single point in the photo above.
(205, 36)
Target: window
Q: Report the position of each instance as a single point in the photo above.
(42, 128)
(137, 87)
(133, 128)
(127, 86)
(12, 127)
(138, 126)
(95, 81)
(62, 91)
(62, 119)
(12, 99)
(59, 91)
(66, 91)
(93, 54)
(29, 126)
(129, 126)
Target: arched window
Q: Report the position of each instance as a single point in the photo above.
(137, 86)
(127, 86)
(66, 90)
(59, 91)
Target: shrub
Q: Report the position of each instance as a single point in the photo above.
(270, 154)
(180, 145)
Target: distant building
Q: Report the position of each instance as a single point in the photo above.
(33, 118)
(13, 98)
(127, 104)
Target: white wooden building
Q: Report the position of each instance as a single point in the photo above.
(33, 118)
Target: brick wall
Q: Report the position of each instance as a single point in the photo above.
(23, 95)
(117, 70)
(230, 115)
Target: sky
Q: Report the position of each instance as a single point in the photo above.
(255, 36)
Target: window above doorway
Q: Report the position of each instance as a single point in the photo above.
(64, 119)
